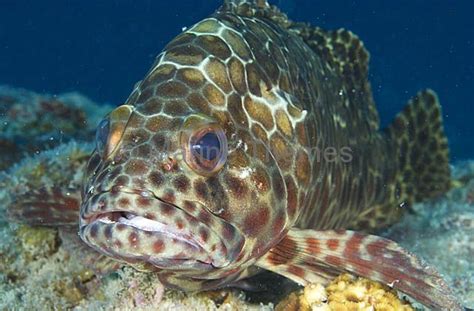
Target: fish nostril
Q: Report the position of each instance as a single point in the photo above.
(169, 165)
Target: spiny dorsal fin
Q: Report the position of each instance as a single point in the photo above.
(346, 53)
(255, 8)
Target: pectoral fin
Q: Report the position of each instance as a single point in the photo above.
(309, 256)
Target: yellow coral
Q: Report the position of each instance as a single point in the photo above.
(37, 241)
(345, 293)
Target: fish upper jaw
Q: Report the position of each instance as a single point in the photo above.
(136, 226)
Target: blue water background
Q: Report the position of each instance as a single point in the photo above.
(102, 48)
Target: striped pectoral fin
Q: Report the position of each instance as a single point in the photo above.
(308, 256)
(52, 206)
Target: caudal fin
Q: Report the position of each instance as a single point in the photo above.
(422, 149)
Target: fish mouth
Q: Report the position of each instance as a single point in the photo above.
(163, 234)
(145, 224)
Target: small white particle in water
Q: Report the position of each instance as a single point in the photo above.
(184, 28)
(341, 92)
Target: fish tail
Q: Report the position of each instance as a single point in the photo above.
(422, 149)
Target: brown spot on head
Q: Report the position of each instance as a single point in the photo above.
(237, 186)
(157, 123)
(200, 104)
(217, 71)
(283, 123)
(189, 206)
(214, 45)
(169, 196)
(120, 227)
(143, 202)
(158, 246)
(204, 217)
(256, 221)
(167, 209)
(277, 184)
(176, 108)
(185, 55)
(259, 112)
(151, 106)
(108, 232)
(237, 159)
(172, 89)
(181, 183)
(236, 43)
(203, 234)
(142, 151)
(200, 188)
(156, 179)
(160, 74)
(207, 26)
(179, 223)
(261, 179)
(254, 78)
(236, 110)
(192, 77)
(237, 77)
(281, 150)
(228, 232)
(214, 95)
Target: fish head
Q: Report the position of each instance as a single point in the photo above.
(181, 179)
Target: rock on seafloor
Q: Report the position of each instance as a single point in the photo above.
(37, 269)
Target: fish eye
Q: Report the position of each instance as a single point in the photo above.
(206, 150)
(102, 135)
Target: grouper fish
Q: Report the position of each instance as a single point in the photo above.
(253, 143)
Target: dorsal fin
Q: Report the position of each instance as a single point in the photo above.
(346, 53)
(341, 48)
(255, 8)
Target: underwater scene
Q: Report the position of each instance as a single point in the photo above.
(236, 155)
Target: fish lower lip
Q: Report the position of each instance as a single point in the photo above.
(146, 224)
